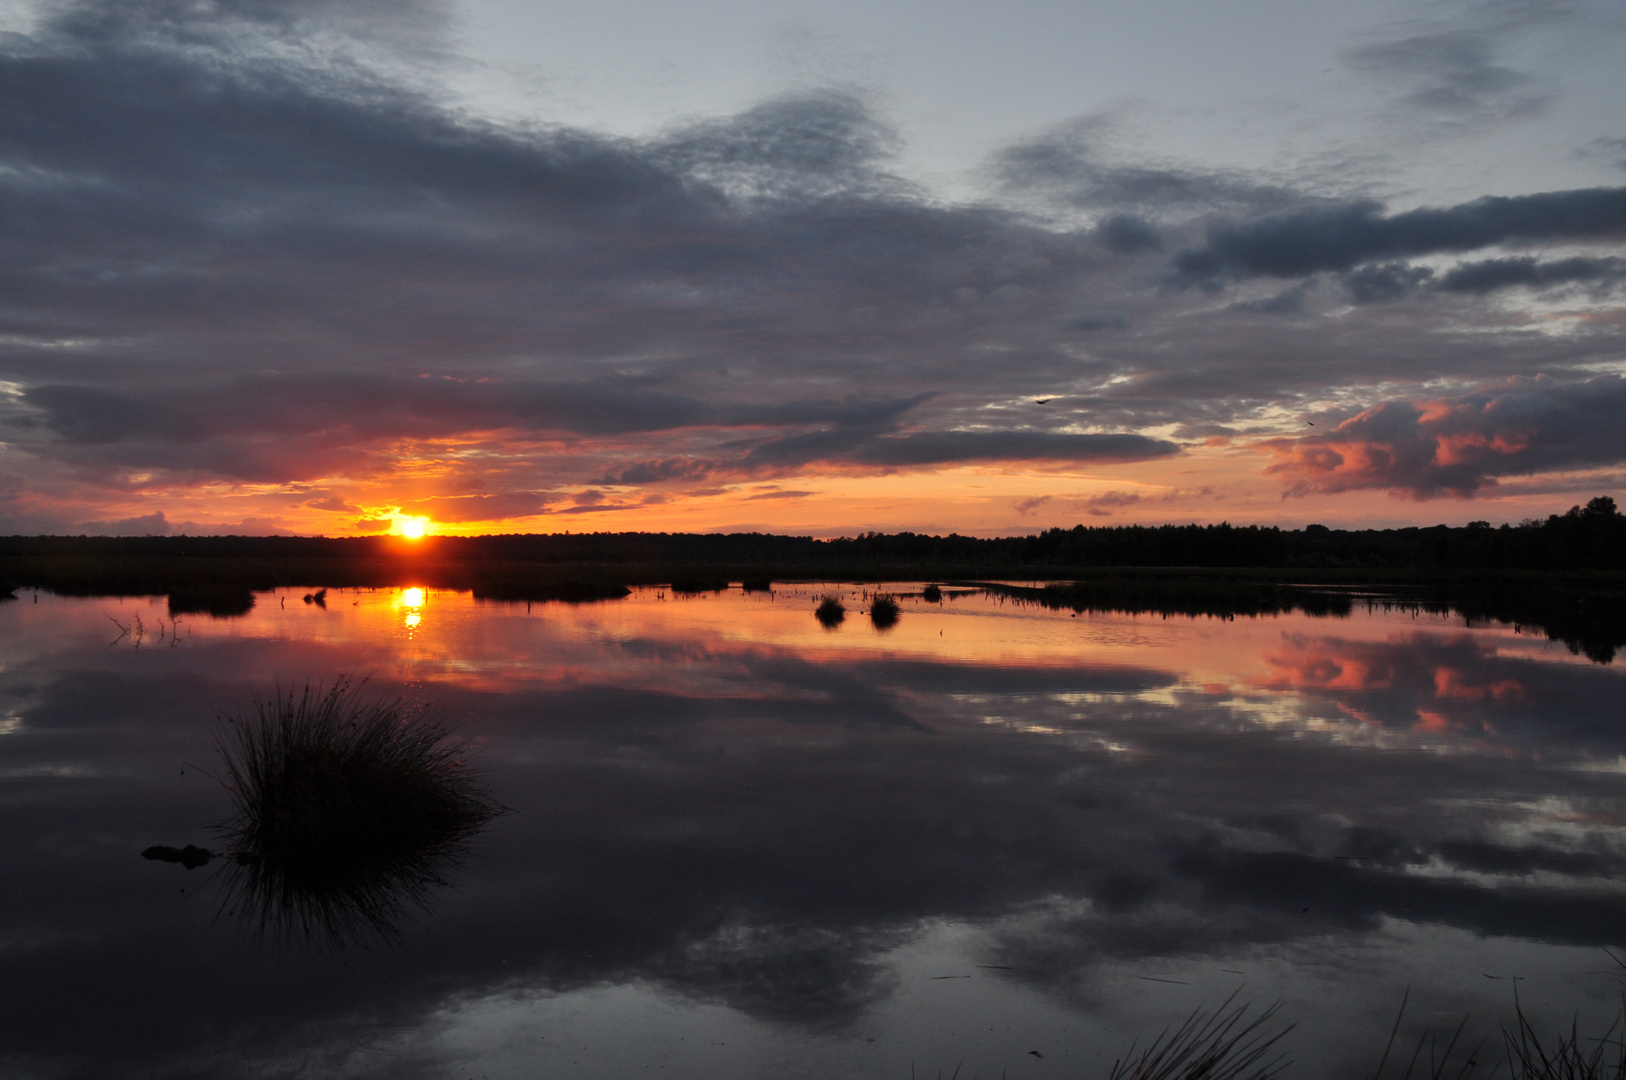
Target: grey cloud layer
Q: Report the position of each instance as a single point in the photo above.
(1338, 238)
(223, 258)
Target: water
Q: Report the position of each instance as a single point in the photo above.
(744, 845)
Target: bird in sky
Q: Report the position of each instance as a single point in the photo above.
(1042, 400)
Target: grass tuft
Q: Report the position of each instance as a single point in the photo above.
(883, 612)
(1564, 1059)
(348, 811)
(830, 613)
(1224, 1045)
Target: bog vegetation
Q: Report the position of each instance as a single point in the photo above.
(348, 810)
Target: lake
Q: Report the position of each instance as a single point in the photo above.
(995, 838)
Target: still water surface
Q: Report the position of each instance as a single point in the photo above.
(744, 845)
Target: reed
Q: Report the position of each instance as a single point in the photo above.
(830, 612)
(1565, 1058)
(1222, 1045)
(883, 612)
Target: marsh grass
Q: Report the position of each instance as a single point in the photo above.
(1226, 1045)
(1222, 1045)
(883, 612)
(1527, 1056)
(1564, 1058)
(348, 812)
(830, 613)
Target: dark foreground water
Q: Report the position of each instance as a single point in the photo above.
(747, 846)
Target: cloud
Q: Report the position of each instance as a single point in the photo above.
(1489, 275)
(1610, 150)
(249, 526)
(1104, 504)
(242, 248)
(1450, 74)
(1377, 283)
(1461, 445)
(1287, 302)
(459, 508)
(153, 524)
(1087, 323)
(952, 447)
(1028, 506)
(1127, 234)
(1070, 165)
(156, 524)
(1338, 238)
(779, 495)
(814, 145)
(298, 426)
(660, 470)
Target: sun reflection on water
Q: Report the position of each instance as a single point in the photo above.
(412, 600)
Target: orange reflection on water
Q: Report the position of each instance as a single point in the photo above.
(1450, 682)
(1376, 671)
(1445, 677)
(650, 636)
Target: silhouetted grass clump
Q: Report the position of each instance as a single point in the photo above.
(1224, 1045)
(932, 594)
(883, 612)
(1527, 1057)
(1564, 1058)
(830, 612)
(347, 812)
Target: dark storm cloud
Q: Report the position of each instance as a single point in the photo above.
(289, 426)
(1461, 445)
(1488, 275)
(371, 405)
(1338, 238)
(946, 447)
(232, 249)
(1126, 234)
(1378, 283)
(193, 216)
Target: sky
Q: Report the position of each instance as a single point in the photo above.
(302, 266)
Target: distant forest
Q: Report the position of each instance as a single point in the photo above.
(1566, 575)
(1590, 537)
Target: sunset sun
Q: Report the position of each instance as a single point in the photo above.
(413, 528)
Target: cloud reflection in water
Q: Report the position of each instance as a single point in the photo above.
(722, 802)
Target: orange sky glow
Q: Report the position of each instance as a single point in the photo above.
(393, 304)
